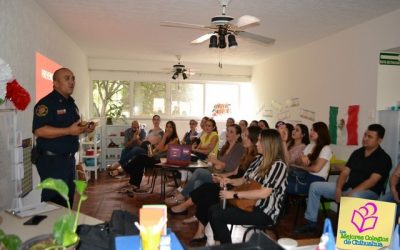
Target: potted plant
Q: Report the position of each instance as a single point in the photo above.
(9, 241)
(64, 229)
(113, 113)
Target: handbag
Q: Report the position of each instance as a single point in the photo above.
(245, 204)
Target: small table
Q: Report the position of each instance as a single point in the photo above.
(165, 168)
(14, 225)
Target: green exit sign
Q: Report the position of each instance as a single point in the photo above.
(386, 58)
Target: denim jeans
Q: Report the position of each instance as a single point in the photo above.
(199, 177)
(328, 190)
(299, 181)
(389, 198)
(128, 154)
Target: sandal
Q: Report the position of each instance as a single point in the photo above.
(173, 201)
(113, 173)
(190, 220)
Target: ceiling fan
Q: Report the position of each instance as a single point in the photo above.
(221, 27)
(179, 68)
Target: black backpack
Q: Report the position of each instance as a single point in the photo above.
(102, 236)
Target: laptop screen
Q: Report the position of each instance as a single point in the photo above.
(179, 154)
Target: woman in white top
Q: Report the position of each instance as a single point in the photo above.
(314, 163)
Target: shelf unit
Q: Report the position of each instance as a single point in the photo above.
(112, 134)
(90, 152)
(390, 120)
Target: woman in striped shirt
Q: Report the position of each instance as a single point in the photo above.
(269, 170)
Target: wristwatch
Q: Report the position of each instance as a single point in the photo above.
(235, 196)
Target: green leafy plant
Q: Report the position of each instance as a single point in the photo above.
(64, 229)
(9, 241)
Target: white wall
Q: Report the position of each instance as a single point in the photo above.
(339, 70)
(388, 93)
(24, 29)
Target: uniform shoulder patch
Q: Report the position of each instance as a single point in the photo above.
(41, 110)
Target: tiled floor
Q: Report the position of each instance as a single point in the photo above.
(104, 198)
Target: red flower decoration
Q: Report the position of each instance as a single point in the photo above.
(18, 95)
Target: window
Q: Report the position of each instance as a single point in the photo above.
(186, 99)
(115, 98)
(110, 98)
(149, 98)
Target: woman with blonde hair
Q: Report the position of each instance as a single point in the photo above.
(270, 171)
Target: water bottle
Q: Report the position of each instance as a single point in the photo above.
(224, 200)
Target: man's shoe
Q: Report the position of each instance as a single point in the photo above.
(305, 229)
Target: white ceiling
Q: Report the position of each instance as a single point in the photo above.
(130, 29)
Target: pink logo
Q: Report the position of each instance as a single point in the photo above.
(363, 218)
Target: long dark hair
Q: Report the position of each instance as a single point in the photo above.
(174, 134)
(323, 139)
(238, 131)
(251, 153)
(306, 136)
(290, 141)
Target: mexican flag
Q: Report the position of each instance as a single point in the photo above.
(343, 125)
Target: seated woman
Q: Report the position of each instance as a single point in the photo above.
(136, 170)
(313, 164)
(208, 194)
(189, 138)
(300, 139)
(208, 141)
(270, 171)
(227, 162)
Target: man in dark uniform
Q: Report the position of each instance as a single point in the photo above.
(57, 126)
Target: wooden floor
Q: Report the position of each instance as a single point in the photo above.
(105, 198)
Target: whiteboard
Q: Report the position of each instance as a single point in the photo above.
(7, 157)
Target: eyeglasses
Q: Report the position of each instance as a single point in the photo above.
(192, 123)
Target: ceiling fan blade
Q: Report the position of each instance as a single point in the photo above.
(202, 39)
(184, 25)
(258, 38)
(247, 21)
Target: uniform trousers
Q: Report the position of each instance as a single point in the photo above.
(57, 167)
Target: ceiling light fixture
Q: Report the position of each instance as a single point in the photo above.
(217, 40)
(179, 69)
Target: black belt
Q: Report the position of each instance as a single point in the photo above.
(49, 153)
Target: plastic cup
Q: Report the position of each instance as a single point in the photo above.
(150, 239)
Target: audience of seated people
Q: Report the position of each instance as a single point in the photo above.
(314, 164)
(269, 170)
(226, 162)
(207, 194)
(364, 176)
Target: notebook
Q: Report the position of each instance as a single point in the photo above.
(179, 155)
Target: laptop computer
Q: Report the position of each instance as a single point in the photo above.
(179, 155)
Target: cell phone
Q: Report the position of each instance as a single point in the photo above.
(35, 220)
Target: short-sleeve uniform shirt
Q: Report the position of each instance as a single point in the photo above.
(57, 111)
